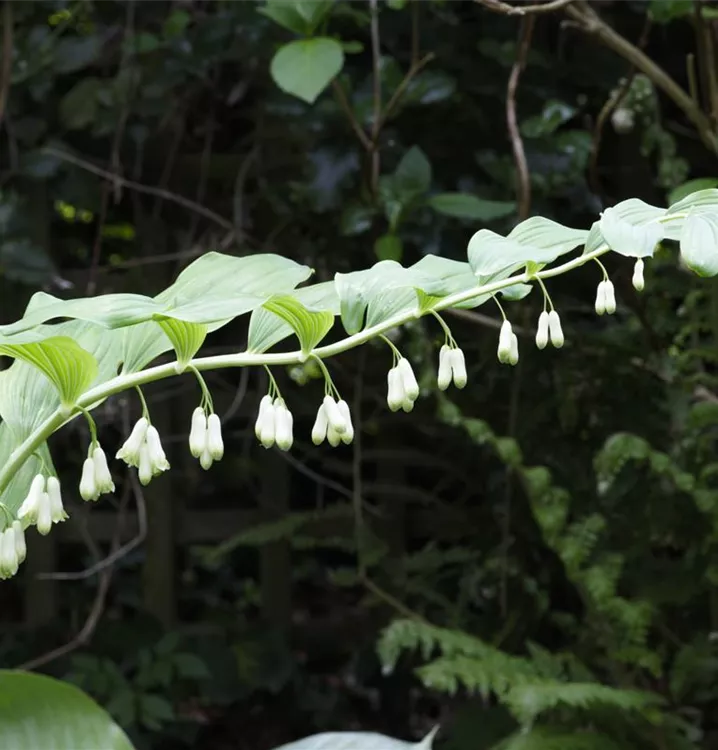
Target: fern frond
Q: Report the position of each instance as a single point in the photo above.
(556, 739)
(529, 700)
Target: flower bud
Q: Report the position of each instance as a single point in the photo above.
(130, 450)
(407, 405)
(264, 405)
(198, 432)
(88, 485)
(103, 478)
(514, 351)
(268, 430)
(458, 367)
(206, 460)
(348, 435)
(554, 329)
(600, 303)
(504, 350)
(638, 280)
(215, 444)
(57, 512)
(395, 390)
(44, 515)
(408, 379)
(158, 459)
(145, 472)
(284, 423)
(20, 547)
(30, 507)
(610, 297)
(444, 376)
(333, 437)
(336, 420)
(321, 423)
(542, 331)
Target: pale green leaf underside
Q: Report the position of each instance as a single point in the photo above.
(67, 365)
(357, 741)
(699, 244)
(310, 326)
(186, 338)
(267, 329)
(40, 712)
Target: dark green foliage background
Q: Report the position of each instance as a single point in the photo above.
(571, 581)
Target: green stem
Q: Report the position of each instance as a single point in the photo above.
(145, 410)
(328, 382)
(244, 359)
(206, 396)
(546, 295)
(447, 331)
(395, 351)
(603, 268)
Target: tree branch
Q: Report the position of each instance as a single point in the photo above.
(523, 10)
(590, 22)
(517, 144)
(147, 189)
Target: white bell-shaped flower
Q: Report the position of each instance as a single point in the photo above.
(268, 433)
(144, 470)
(348, 435)
(198, 432)
(600, 304)
(458, 367)
(158, 459)
(609, 294)
(88, 485)
(54, 494)
(395, 396)
(205, 459)
(638, 280)
(321, 426)
(103, 477)
(514, 350)
(542, 331)
(130, 450)
(408, 379)
(44, 515)
(505, 342)
(555, 330)
(20, 546)
(215, 444)
(284, 424)
(264, 405)
(333, 437)
(30, 507)
(334, 416)
(445, 374)
(9, 562)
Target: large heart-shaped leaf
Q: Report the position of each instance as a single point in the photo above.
(41, 713)
(306, 67)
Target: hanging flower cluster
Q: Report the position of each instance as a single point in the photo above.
(452, 367)
(333, 423)
(43, 504)
(96, 479)
(143, 450)
(205, 438)
(275, 424)
(402, 387)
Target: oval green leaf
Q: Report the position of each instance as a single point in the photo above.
(467, 206)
